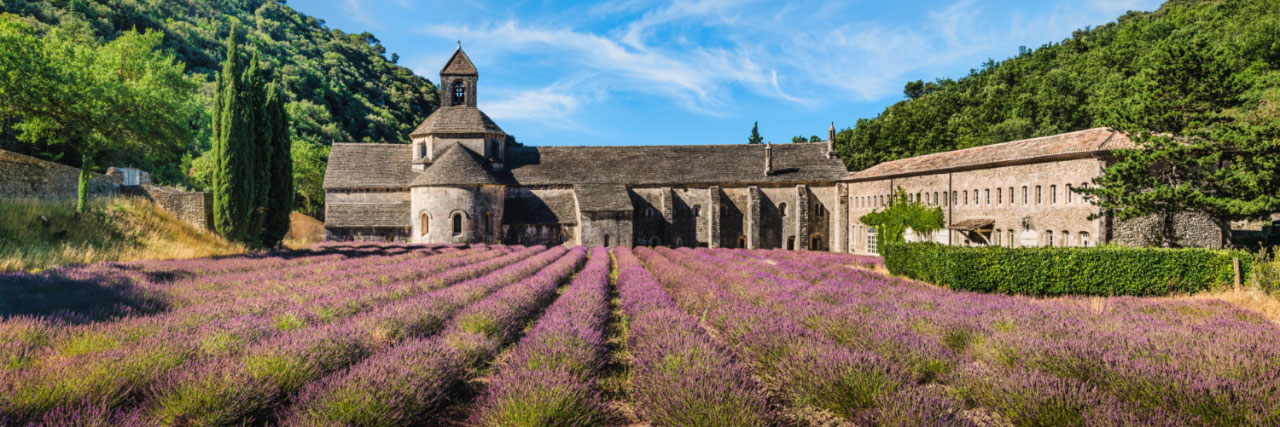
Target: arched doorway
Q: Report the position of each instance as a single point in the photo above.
(742, 242)
(815, 243)
(791, 243)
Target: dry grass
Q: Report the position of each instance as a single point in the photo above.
(1250, 299)
(115, 229)
(303, 231)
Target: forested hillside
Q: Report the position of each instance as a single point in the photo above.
(339, 86)
(1190, 66)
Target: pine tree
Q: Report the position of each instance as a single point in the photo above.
(280, 193)
(233, 194)
(755, 134)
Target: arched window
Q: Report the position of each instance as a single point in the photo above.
(872, 246)
(697, 210)
(782, 209)
(1024, 196)
(1038, 197)
(999, 196)
(488, 223)
(457, 223)
(1048, 236)
(987, 194)
(818, 210)
(424, 225)
(650, 212)
(815, 243)
(606, 240)
(935, 198)
(966, 197)
(1010, 237)
(1066, 239)
(791, 243)
(459, 92)
(1053, 194)
(742, 242)
(679, 242)
(655, 242)
(1069, 194)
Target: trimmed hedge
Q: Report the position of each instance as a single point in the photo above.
(1099, 271)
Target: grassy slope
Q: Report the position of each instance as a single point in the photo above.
(118, 229)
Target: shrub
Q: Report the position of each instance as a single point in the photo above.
(1066, 271)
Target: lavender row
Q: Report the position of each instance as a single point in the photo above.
(680, 375)
(327, 301)
(549, 377)
(113, 376)
(1096, 361)
(410, 381)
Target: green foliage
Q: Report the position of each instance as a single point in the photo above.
(280, 186)
(338, 86)
(1265, 271)
(892, 221)
(1217, 61)
(1101, 271)
(755, 134)
(90, 98)
(234, 194)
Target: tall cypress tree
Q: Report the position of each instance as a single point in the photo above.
(233, 194)
(280, 192)
(258, 147)
(755, 134)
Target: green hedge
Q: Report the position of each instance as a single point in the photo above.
(1066, 271)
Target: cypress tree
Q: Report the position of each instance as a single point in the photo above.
(233, 129)
(257, 145)
(280, 194)
(755, 134)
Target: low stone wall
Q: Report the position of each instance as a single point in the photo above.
(1192, 230)
(26, 177)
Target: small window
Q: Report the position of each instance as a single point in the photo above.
(1024, 195)
(999, 196)
(650, 212)
(1038, 198)
(1048, 235)
(1084, 239)
(935, 198)
(819, 211)
(1069, 194)
(966, 197)
(815, 243)
(791, 243)
(987, 195)
(1066, 239)
(697, 210)
(655, 242)
(488, 223)
(424, 224)
(1011, 196)
(742, 242)
(679, 242)
(459, 92)
(997, 236)
(1053, 194)
(457, 224)
(782, 209)
(606, 240)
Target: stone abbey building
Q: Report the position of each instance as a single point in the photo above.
(459, 182)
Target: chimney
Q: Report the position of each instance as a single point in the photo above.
(831, 141)
(768, 158)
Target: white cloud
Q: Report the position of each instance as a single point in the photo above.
(356, 9)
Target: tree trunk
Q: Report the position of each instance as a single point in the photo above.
(82, 187)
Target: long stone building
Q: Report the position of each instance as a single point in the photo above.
(458, 181)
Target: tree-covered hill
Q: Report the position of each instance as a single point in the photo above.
(339, 86)
(1189, 66)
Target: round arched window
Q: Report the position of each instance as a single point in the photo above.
(457, 224)
(424, 225)
(459, 92)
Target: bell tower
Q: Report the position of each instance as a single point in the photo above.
(458, 81)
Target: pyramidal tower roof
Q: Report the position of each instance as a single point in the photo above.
(459, 63)
(457, 166)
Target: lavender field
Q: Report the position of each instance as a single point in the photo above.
(386, 334)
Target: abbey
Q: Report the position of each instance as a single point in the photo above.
(459, 181)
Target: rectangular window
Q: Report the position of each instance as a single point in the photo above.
(871, 241)
(1068, 194)
(1011, 238)
(1038, 198)
(935, 198)
(1011, 195)
(1024, 195)
(999, 196)
(1053, 194)
(987, 194)
(966, 197)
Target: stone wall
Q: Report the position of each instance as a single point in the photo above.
(26, 177)
(1191, 230)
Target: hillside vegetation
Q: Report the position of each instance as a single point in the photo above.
(339, 86)
(118, 229)
(1217, 61)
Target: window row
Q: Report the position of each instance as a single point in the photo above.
(458, 222)
(1062, 239)
(980, 197)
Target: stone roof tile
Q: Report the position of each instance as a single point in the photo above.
(459, 63)
(602, 198)
(458, 165)
(671, 164)
(367, 165)
(457, 119)
(366, 214)
(1071, 144)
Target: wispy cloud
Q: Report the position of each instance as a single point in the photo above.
(356, 9)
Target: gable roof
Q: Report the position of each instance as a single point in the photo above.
(459, 63)
(367, 165)
(458, 165)
(602, 198)
(671, 164)
(1066, 145)
(456, 119)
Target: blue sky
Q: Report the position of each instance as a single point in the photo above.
(701, 72)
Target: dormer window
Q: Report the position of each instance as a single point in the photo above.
(459, 92)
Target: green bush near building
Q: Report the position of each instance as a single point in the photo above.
(1100, 271)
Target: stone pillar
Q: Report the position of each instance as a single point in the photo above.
(840, 235)
(802, 217)
(713, 217)
(753, 217)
